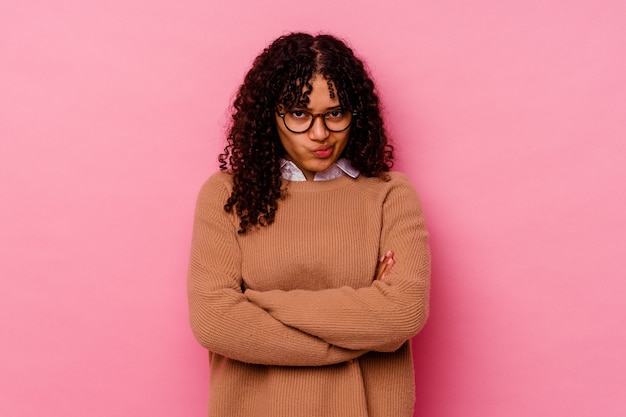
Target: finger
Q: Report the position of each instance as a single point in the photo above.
(390, 263)
(383, 264)
(380, 268)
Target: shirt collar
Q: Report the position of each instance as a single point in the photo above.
(291, 172)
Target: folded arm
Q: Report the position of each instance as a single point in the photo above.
(222, 318)
(380, 317)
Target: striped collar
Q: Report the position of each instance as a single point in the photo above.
(291, 172)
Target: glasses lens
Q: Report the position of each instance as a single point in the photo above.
(337, 120)
(300, 121)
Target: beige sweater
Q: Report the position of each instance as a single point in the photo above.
(312, 334)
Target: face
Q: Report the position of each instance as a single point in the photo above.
(318, 148)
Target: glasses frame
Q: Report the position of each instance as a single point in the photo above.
(314, 116)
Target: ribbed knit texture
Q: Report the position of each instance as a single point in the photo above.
(312, 335)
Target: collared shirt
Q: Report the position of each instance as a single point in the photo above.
(291, 172)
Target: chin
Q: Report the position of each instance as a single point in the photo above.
(323, 167)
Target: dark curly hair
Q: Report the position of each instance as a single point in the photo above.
(281, 75)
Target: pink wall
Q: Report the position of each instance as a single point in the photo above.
(510, 117)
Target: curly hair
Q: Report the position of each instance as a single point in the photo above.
(280, 76)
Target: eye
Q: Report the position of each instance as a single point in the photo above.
(334, 114)
(298, 114)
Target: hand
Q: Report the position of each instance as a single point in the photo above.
(384, 265)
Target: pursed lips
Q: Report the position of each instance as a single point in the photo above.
(322, 148)
(323, 152)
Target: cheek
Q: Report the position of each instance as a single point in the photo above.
(282, 131)
(287, 141)
(344, 140)
(282, 136)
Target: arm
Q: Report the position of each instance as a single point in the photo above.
(222, 318)
(382, 316)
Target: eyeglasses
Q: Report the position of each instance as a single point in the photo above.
(300, 121)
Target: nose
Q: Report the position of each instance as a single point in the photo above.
(318, 131)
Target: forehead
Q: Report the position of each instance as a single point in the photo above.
(320, 92)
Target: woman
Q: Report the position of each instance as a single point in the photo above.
(309, 269)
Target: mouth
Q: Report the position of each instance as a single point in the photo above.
(323, 152)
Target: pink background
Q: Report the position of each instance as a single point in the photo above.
(510, 118)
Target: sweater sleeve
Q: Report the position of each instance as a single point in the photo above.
(384, 315)
(222, 318)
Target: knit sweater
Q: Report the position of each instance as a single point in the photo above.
(294, 321)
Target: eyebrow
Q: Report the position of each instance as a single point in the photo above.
(339, 107)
